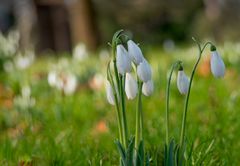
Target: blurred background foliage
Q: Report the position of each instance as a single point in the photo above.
(46, 123)
(60, 25)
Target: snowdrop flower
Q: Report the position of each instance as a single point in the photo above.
(135, 52)
(23, 62)
(147, 88)
(69, 84)
(217, 64)
(97, 82)
(131, 87)
(26, 91)
(52, 78)
(80, 52)
(25, 100)
(182, 82)
(109, 91)
(66, 82)
(123, 60)
(144, 71)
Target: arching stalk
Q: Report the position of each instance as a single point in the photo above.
(184, 118)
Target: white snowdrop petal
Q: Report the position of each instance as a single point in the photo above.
(182, 82)
(123, 60)
(144, 71)
(128, 65)
(135, 52)
(131, 87)
(148, 88)
(217, 65)
(120, 60)
(110, 95)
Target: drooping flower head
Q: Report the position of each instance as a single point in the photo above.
(109, 92)
(217, 64)
(123, 60)
(135, 52)
(144, 71)
(182, 81)
(131, 87)
(148, 88)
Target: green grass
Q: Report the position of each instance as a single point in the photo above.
(61, 130)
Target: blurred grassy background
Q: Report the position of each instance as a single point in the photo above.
(41, 125)
(79, 129)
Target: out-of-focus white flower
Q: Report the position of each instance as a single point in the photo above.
(148, 88)
(52, 78)
(109, 92)
(26, 91)
(144, 71)
(23, 62)
(80, 52)
(217, 65)
(182, 82)
(131, 87)
(123, 60)
(135, 52)
(25, 100)
(68, 83)
(97, 82)
(9, 44)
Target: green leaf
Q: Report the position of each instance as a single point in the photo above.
(171, 154)
(140, 155)
(190, 152)
(148, 160)
(121, 152)
(165, 155)
(176, 152)
(130, 151)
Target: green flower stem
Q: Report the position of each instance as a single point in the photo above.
(116, 103)
(119, 119)
(167, 100)
(184, 118)
(124, 118)
(116, 74)
(138, 130)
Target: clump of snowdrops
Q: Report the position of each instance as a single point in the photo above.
(129, 76)
(175, 153)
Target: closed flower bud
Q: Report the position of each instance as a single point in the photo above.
(147, 88)
(182, 82)
(131, 87)
(123, 60)
(109, 91)
(217, 65)
(135, 52)
(144, 71)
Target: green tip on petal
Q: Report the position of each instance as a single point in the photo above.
(180, 68)
(213, 48)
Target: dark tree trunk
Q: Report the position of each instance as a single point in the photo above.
(82, 23)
